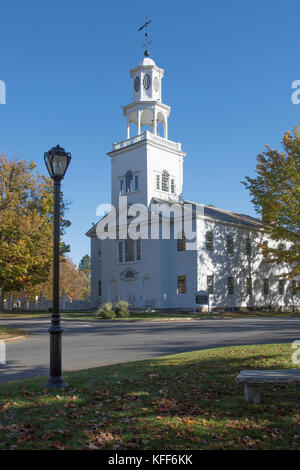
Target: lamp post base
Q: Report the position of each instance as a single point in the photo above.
(58, 382)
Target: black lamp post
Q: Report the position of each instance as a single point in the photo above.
(57, 162)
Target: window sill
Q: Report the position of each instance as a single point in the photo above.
(161, 191)
(131, 192)
(122, 263)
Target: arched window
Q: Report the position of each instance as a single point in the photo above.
(129, 180)
(165, 181)
(129, 275)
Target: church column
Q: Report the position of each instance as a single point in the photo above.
(138, 122)
(154, 126)
(128, 128)
(165, 127)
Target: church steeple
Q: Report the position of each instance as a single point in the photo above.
(146, 107)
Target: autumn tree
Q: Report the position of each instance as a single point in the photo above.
(26, 219)
(70, 279)
(85, 267)
(276, 197)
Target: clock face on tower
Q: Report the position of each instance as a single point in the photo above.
(156, 84)
(137, 83)
(146, 81)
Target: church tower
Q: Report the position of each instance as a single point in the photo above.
(147, 164)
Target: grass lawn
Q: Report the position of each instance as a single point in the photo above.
(184, 401)
(175, 315)
(6, 333)
(7, 315)
(134, 316)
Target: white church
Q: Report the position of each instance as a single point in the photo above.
(226, 260)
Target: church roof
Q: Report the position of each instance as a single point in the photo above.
(220, 214)
(147, 61)
(228, 216)
(210, 212)
(91, 231)
(232, 217)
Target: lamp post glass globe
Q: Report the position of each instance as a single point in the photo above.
(57, 161)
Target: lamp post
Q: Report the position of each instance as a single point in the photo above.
(57, 162)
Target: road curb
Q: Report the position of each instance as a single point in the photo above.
(15, 338)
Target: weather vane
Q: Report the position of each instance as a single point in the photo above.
(147, 42)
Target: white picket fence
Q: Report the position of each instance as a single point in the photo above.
(42, 304)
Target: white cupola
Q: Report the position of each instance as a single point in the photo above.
(149, 75)
(146, 107)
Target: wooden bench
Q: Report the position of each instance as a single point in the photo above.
(254, 379)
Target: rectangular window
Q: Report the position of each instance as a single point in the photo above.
(294, 287)
(281, 287)
(181, 242)
(120, 252)
(181, 284)
(249, 285)
(157, 182)
(230, 285)
(229, 244)
(99, 288)
(129, 180)
(121, 186)
(172, 186)
(99, 252)
(129, 250)
(266, 286)
(136, 183)
(248, 246)
(165, 181)
(264, 248)
(209, 241)
(210, 284)
(138, 249)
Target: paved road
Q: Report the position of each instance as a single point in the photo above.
(91, 344)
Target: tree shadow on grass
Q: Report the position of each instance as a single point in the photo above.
(13, 371)
(182, 402)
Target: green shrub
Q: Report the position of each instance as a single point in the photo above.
(107, 315)
(105, 311)
(121, 309)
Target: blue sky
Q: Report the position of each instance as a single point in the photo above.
(228, 66)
